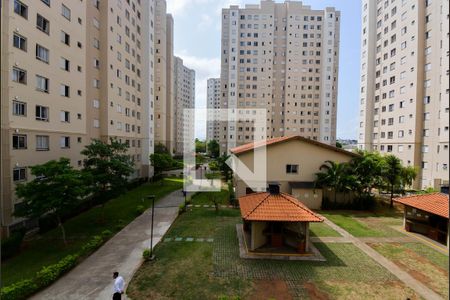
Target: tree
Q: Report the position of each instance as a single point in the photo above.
(339, 145)
(200, 146)
(334, 175)
(223, 167)
(367, 167)
(213, 149)
(161, 162)
(392, 174)
(407, 177)
(57, 189)
(161, 149)
(108, 166)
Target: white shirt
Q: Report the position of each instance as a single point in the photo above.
(118, 284)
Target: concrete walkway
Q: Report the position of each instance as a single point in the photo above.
(410, 281)
(92, 279)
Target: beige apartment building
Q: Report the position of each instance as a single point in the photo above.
(184, 96)
(404, 104)
(73, 71)
(282, 57)
(213, 97)
(164, 85)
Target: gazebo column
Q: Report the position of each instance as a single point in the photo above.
(307, 236)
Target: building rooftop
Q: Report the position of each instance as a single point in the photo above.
(275, 207)
(436, 203)
(268, 142)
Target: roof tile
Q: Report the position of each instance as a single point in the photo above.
(436, 203)
(281, 207)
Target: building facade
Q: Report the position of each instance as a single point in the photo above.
(282, 57)
(404, 101)
(73, 72)
(213, 102)
(184, 96)
(164, 84)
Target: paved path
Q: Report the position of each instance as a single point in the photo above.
(410, 281)
(92, 279)
(341, 239)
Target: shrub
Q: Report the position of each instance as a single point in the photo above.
(11, 245)
(19, 290)
(93, 244)
(181, 209)
(147, 254)
(106, 234)
(49, 274)
(140, 209)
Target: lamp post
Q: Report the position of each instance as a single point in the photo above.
(152, 197)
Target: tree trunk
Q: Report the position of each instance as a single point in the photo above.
(335, 197)
(63, 231)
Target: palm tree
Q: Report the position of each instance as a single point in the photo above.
(407, 177)
(367, 168)
(334, 175)
(392, 174)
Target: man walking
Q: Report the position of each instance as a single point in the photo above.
(118, 286)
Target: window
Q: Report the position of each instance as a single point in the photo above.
(42, 83)
(19, 174)
(64, 142)
(42, 53)
(65, 12)
(21, 9)
(65, 116)
(19, 108)
(64, 90)
(292, 169)
(42, 143)
(19, 75)
(96, 123)
(20, 42)
(46, 2)
(65, 38)
(65, 64)
(43, 24)
(19, 141)
(96, 103)
(41, 113)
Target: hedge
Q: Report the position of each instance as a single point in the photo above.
(49, 274)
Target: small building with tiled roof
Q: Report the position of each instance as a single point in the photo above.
(274, 221)
(292, 161)
(427, 214)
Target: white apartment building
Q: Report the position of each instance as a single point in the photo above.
(184, 96)
(213, 102)
(282, 57)
(404, 103)
(164, 85)
(73, 71)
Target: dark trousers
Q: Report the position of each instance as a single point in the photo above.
(117, 296)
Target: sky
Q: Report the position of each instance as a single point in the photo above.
(197, 40)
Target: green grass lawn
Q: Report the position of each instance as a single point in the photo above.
(203, 198)
(366, 224)
(48, 248)
(421, 262)
(201, 270)
(322, 230)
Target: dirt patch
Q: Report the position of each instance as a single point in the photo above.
(314, 293)
(417, 275)
(424, 260)
(271, 289)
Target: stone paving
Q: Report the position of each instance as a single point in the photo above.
(92, 279)
(410, 281)
(188, 239)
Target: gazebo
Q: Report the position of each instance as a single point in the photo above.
(276, 222)
(428, 215)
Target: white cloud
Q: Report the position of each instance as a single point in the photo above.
(179, 7)
(205, 22)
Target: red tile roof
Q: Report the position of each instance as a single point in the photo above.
(257, 144)
(436, 203)
(280, 207)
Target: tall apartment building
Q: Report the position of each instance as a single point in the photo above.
(404, 104)
(184, 97)
(73, 71)
(164, 102)
(213, 102)
(282, 57)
